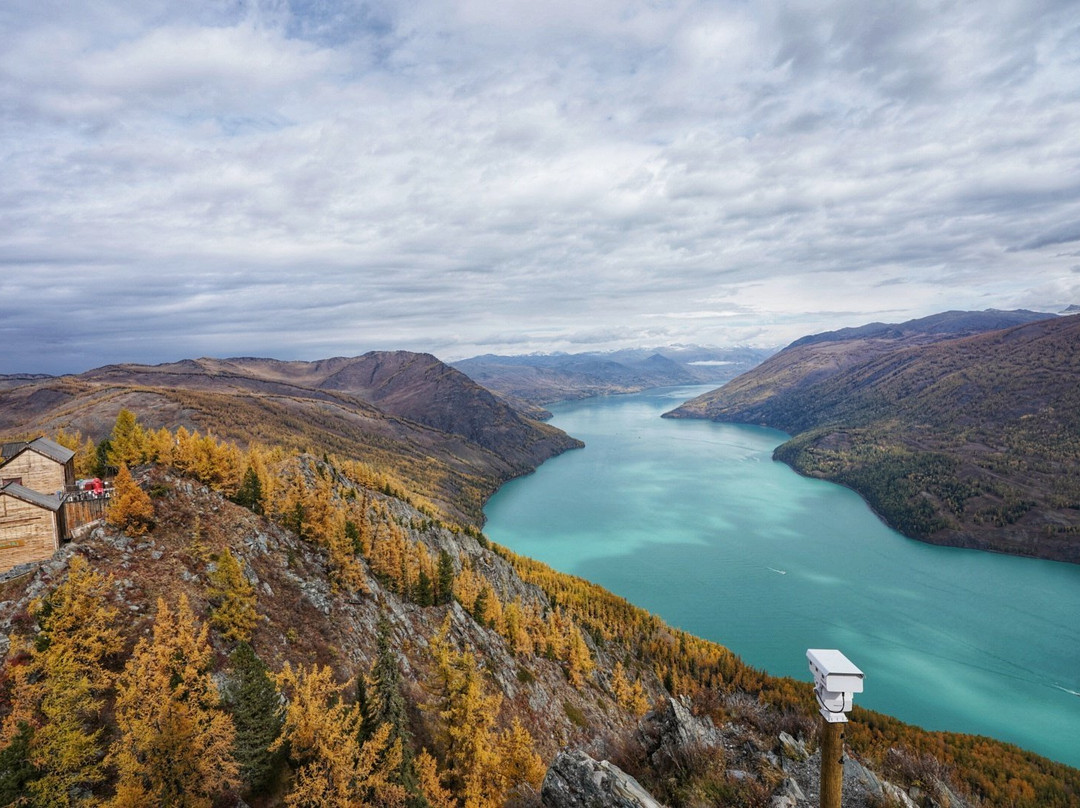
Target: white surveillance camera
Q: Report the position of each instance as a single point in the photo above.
(836, 679)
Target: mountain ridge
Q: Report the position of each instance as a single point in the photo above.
(328, 556)
(539, 379)
(968, 441)
(409, 412)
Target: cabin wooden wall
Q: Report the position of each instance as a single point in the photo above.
(27, 532)
(38, 473)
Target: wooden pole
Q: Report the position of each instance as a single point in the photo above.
(832, 763)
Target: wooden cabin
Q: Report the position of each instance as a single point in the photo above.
(41, 465)
(34, 478)
(29, 525)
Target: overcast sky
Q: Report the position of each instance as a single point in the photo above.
(310, 179)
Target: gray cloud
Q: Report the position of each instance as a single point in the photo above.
(301, 179)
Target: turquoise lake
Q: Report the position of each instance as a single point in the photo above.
(695, 522)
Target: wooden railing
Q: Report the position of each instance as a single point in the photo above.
(80, 508)
(78, 495)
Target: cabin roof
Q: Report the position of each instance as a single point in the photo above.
(43, 446)
(52, 449)
(48, 501)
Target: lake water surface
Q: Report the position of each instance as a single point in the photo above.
(693, 521)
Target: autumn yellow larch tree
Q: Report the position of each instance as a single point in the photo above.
(430, 782)
(289, 503)
(232, 598)
(630, 695)
(469, 713)
(346, 571)
(387, 555)
(320, 504)
(130, 508)
(555, 634)
(483, 764)
(158, 446)
(61, 688)
(85, 451)
(23, 690)
(126, 441)
(515, 628)
(183, 456)
(175, 741)
(467, 587)
(335, 768)
(218, 464)
(519, 762)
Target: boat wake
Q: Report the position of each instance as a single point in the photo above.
(1066, 690)
(778, 572)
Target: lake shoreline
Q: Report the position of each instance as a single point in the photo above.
(620, 548)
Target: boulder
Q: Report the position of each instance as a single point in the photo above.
(576, 780)
(793, 749)
(671, 730)
(897, 795)
(945, 797)
(858, 774)
(790, 789)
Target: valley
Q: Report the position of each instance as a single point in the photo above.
(695, 522)
(328, 514)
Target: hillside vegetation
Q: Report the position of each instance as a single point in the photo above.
(277, 627)
(970, 441)
(424, 426)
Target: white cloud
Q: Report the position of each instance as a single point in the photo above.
(325, 177)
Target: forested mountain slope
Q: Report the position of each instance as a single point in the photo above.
(268, 624)
(417, 387)
(428, 427)
(971, 441)
(814, 358)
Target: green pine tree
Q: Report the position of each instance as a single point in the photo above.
(16, 770)
(363, 704)
(480, 605)
(424, 595)
(352, 534)
(253, 701)
(250, 493)
(445, 591)
(386, 703)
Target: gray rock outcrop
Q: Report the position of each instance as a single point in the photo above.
(576, 780)
(671, 730)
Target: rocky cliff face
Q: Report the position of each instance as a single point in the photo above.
(748, 767)
(576, 780)
(307, 619)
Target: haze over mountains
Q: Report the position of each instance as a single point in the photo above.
(537, 379)
(962, 428)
